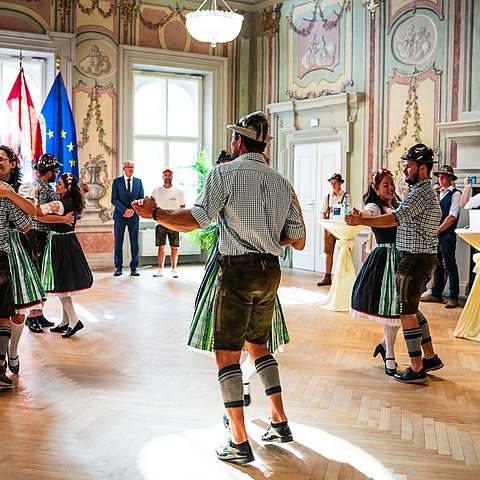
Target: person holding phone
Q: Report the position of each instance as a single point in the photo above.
(465, 200)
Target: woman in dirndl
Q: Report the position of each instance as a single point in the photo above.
(28, 292)
(374, 293)
(65, 269)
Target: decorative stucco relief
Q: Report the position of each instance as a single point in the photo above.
(398, 8)
(414, 40)
(96, 59)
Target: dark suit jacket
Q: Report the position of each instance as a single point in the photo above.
(121, 199)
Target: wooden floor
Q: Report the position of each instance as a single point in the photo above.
(124, 398)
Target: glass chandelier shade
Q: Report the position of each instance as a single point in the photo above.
(214, 26)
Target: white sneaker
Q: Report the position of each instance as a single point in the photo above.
(427, 293)
(158, 272)
(174, 273)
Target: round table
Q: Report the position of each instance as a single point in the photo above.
(344, 275)
(468, 325)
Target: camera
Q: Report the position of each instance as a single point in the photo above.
(472, 179)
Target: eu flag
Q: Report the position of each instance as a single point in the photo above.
(60, 133)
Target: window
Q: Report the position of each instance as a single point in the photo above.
(167, 112)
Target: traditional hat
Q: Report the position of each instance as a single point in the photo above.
(446, 170)
(254, 126)
(336, 176)
(223, 156)
(419, 153)
(48, 162)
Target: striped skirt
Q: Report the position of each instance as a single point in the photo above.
(28, 291)
(201, 331)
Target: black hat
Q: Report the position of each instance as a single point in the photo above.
(223, 156)
(446, 170)
(419, 153)
(336, 176)
(48, 162)
(254, 126)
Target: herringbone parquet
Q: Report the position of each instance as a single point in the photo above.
(125, 399)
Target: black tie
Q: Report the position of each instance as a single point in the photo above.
(129, 186)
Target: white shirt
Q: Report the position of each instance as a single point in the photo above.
(474, 202)
(334, 199)
(455, 205)
(126, 183)
(169, 198)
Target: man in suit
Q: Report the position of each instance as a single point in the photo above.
(125, 190)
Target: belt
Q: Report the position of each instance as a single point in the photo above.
(247, 259)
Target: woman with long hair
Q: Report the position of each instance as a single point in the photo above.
(27, 289)
(375, 290)
(65, 269)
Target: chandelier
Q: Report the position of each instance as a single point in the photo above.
(214, 26)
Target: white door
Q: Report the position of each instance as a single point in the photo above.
(313, 164)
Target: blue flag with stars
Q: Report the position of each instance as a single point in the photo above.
(60, 133)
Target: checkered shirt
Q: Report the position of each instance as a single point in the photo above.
(419, 216)
(46, 195)
(254, 204)
(9, 212)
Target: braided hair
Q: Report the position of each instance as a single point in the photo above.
(73, 192)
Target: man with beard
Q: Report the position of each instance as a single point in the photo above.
(417, 220)
(169, 198)
(257, 214)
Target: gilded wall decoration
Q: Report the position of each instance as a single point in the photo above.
(271, 19)
(396, 8)
(414, 40)
(319, 49)
(96, 59)
(99, 16)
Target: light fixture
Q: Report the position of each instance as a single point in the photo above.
(214, 26)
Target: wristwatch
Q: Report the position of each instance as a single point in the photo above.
(154, 213)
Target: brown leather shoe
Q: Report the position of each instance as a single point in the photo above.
(431, 298)
(452, 303)
(326, 281)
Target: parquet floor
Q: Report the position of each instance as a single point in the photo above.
(124, 399)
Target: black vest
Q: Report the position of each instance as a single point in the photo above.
(445, 205)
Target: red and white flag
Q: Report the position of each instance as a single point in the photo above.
(26, 134)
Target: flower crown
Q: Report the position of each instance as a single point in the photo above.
(382, 171)
(70, 178)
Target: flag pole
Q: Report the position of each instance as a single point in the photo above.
(57, 62)
(20, 59)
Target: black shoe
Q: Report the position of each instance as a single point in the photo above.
(59, 328)
(134, 273)
(43, 322)
(410, 376)
(238, 454)
(430, 364)
(118, 272)
(72, 331)
(390, 371)
(14, 368)
(33, 325)
(380, 349)
(281, 434)
(247, 400)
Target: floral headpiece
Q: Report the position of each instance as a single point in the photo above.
(70, 178)
(382, 171)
